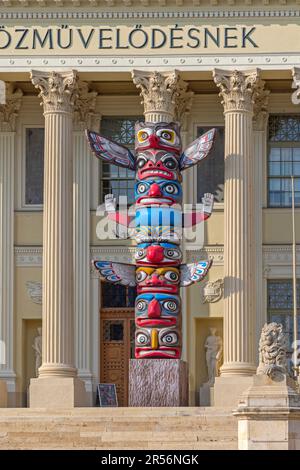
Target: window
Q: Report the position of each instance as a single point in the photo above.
(117, 180)
(117, 296)
(280, 305)
(284, 160)
(210, 172)
(34, 166)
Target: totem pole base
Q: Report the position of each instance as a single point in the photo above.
(158, 382)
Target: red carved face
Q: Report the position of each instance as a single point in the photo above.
(157, 310)
(157, 164)
(157, 279)
(164, 343)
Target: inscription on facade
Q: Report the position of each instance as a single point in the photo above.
(122, 38)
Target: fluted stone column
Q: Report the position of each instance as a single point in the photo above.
(8, 114)
(57, 385)
(84, 117)
(238, 92)
(260, 121)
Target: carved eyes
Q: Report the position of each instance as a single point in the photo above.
(172, 254)
(140, 276)
(141, 162)
(142, 135)
(142, 339)
(172, 276)
(142, 188)
(168, 135)
(141, 305)
(170, 305)
(140, 254)
(171, 189)
(170, 163)
(169, 339)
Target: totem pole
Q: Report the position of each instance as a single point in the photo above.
(158, 225)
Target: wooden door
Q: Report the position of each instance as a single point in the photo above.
(117, 346)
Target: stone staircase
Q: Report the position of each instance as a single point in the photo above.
(118, 428)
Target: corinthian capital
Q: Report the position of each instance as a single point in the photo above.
(237, 89)
(165, 95)
(84, 109)
(58, 90)
(9, 111)
(260, 110)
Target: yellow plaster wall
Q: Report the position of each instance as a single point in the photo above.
(206, 315)
(28, 317)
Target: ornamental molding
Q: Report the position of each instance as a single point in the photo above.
(119, 15)
(10, 110)
(164, 94)
(279, 256)
(84, 115)
(215, 253)
(35, 291)
(273, 255)
(58, 90)
(117, 63)
(28, 256)
(238, 89)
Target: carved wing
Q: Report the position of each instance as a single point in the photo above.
(194, 272)
(197, 150)
(110, 151)
(117, 273)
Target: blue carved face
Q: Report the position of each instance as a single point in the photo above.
(157, 192)
(157, 310)
(162, 254)
(158, 224)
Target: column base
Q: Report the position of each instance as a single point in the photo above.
(158, 382)
(228, 389)
(57, 392)
(3, 394)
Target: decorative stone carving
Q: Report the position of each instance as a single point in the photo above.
(272, 351)
(164, 94)
(35, 291)
(9, 111)
(84, 109)
(37, 347)
(213, 291)
(237, 89)
(260, 109)
(296, 84)
(214, 352)
(58, 90)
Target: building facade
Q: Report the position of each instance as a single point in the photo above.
(71, 65)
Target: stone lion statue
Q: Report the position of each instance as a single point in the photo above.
(272, 351)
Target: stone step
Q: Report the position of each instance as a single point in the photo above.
(121, 428)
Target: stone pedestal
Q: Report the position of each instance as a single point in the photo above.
(60, 392)
(3, 394)
(158, 382)
(269, 415)
(206, 395)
